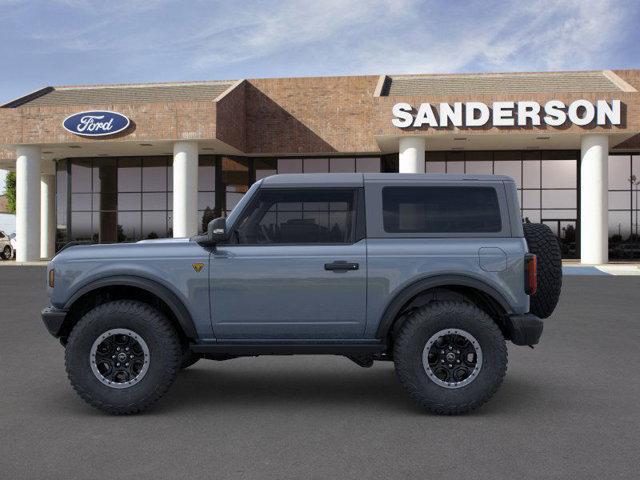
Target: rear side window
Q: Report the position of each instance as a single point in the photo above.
(441, 210)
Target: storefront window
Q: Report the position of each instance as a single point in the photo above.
(546, 180)
(206, 192)
(289, 165)
(265, 167)
(316, 165)
(479, 167)
(624, 193)
(110, 195)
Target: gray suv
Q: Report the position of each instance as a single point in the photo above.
(432, 272)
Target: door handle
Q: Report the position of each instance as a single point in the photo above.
(341, 266)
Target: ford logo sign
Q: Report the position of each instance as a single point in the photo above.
(96, 124)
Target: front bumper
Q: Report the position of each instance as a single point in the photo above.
(53, 319)
(524, 329)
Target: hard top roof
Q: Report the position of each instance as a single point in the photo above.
(358, 179)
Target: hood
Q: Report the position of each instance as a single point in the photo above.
(104, 251)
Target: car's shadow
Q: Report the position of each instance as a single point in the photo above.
(374, 389)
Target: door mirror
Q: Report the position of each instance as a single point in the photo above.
(217, 230)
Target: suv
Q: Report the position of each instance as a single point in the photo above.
(432, 272)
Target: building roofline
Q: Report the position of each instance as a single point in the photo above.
(141, 85)
(27, 98)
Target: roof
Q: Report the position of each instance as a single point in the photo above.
(109, 94)
(601, 81)
(314, 179)
(358, 179)
(503, 83)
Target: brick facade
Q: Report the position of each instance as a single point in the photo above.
(289, 116)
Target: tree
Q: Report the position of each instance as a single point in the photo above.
(207, 216)
(10, 188)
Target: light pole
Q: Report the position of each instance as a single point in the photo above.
(633, 180)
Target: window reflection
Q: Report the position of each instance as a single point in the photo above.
(550, 196)
(624, 202)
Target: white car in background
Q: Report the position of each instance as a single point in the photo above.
(14, 243)
(7, 245)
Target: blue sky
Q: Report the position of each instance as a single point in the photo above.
(69, 42)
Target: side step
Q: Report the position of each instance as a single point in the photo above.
(290, 348)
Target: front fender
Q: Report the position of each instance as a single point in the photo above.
(174, 303)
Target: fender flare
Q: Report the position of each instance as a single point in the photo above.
(413, 289)
(155, 288)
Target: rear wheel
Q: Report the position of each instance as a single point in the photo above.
(6, 253)
(544, 245)
(122, 356)
(450, 357)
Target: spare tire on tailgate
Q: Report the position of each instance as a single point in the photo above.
(544, 245)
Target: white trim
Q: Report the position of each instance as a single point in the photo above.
(228, 91)
(619, 82)
(380, 85)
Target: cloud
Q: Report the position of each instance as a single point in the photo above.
(538, 35)
(286, 27)
(82, 41)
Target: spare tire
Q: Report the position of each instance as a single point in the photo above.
(544, 245)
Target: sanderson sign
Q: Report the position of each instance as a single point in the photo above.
(507, 114)
(96, 123)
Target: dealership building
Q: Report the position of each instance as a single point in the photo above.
(114, 163)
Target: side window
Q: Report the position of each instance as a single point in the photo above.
(440, 210)
(2, 235)
(291, 216)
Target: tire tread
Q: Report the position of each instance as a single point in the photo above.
(403, 342)
(164, 329)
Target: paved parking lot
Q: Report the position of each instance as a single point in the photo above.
(568, 409)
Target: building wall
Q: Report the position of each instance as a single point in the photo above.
(289, 116)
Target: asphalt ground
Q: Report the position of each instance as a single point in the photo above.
(570, 409)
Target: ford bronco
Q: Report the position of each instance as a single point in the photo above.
(432, 272)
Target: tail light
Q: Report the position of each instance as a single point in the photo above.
(530, 274)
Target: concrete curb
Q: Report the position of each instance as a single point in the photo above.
(12, 263)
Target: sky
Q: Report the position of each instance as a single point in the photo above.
(71, 42)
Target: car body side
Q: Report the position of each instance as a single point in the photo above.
(491, 263)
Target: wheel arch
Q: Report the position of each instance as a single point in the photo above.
(130, 287)
(427, 289)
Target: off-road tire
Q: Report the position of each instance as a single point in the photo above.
(410, 343)
(544, 244)
(188, 359)
(164, 352)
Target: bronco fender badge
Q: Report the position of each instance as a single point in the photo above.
(198, 267)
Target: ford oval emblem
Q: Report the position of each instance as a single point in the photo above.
(96, 123)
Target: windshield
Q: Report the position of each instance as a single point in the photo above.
(231, 219)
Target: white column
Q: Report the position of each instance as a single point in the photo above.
(28, 203)
(47, 215)
(185, 189)
(411, 154)
(594, 209)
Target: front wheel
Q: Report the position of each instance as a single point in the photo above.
(6, 253)
(451, 357)
(122, 356)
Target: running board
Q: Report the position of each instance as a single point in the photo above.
(300, 348)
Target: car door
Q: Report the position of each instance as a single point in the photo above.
(296, 268)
